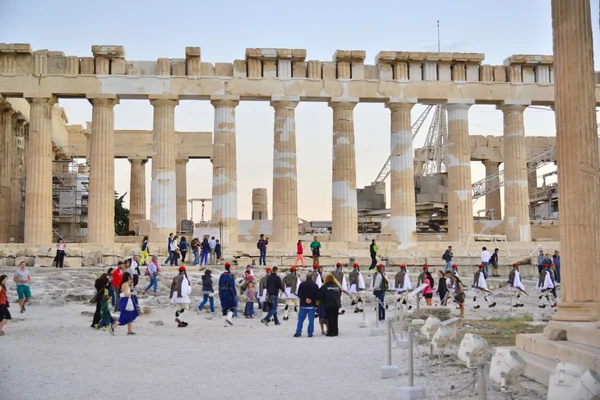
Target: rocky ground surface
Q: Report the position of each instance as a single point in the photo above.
(51, 352)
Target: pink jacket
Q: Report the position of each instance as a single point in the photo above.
(427, 289)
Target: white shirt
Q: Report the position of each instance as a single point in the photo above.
(212, 243)
(485, 256)
(133, 267)
(173, 245)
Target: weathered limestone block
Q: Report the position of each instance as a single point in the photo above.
(472, 72)
(371, 72)
(24, 63)
(284, 68)
(441, 313)
(178, 67)
(223, 69)
(239, 68)
(486, 73)
(108, 51)
(329, 70)
(444, 72)
(57, 63)
(459, 72)
(514, 74)
(208, 69)
(314, 69)
(40, 63)
(499, 73)
(163, 66)
(117, 66)
(269, 69)
(72, 65)
(254, 68)
(358, 70)
(87, 66)
(528, 74)
(343, 70)
(415, 71)
(299, 69)
(132, 70)
(102, 65)
(193, 59)
(542, 74)
(385, 72)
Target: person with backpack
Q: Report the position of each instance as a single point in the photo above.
(262, 247)
(448, 258)
(380, 286)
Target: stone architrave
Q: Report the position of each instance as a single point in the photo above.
(516, 186)
(344, 201)
(137, 191)
(163, 191)
(38, 188)
(285, 182)
(101, 203)
(460, 192)
(403, 221)
(493, 199)
(181, 178)
(577, 160)
(224, 189)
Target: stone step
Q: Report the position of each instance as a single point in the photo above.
(538, 368)
(586, 333)
(583, 355)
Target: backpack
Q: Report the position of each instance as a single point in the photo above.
(258, 245)
(385, 285)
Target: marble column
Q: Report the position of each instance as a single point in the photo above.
(492, 199)
(403, 221)
(6, 148)
(38, 187)
(181, 188)
(260, 209)
(460, 192)
(344, 201)
(18, 174)
(224, 189)
(577, 159)
(101, 203)
(137, 192)
(285, 183)
(163, 192)
(516, 186)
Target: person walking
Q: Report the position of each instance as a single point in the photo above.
(195, 245)
(447, 257)
(169, 242)
(262, 247)
(330, 294)
(100, 284)
(494, 263)
(373, 252)
(308, 293)
(485, 260)
(60, 253)
(460, 295)
(218, 252)
(212, 243)
(427, 291)
(174, 250)
(180, 291)
(315, 248)
(540, 261)
(205, 247)
(4, 304)
(145, 252)
(227, 294)
(442, 289)
(299, 254)
(208, 292)
(556, 261)
(152, 274)
(117, 279)
(380, 287)
(274, 286)
(111, 287)
(183, 248)
(134, 269)
(129, 311)
(22, 277)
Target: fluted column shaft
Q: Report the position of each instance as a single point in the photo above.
(137, 192)
(38, 189)
(577, 156)
(224, 189)
(344, 201)
(492, 199)
(460, 193)
(516, 185)
(18, 171)
(181, 184)
(101, 213)
(6, 167)
(285, 183)
(403, 222)
(163, 191)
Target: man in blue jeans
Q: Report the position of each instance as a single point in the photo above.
(307, 292)
(262, 247)
(170, 257)
(274, 285)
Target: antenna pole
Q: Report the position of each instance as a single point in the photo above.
(438, 33)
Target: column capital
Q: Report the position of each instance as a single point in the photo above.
(513, 105)
(141, 159)
(458, 104)
(491, 163)
(164, 100)
(400, 104)
(182, 160)
(285, 101)
(102, 99)
(345, 103)
(40, 99)
(230, 101)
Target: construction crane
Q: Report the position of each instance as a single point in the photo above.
(436, 152)
(385, 171)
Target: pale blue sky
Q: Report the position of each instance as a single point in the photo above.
(153, 29)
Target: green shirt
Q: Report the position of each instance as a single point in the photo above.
(315, 245)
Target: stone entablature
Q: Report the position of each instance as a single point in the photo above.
(264, 73)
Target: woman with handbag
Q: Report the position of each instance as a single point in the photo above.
(128, 309)
(460, 295)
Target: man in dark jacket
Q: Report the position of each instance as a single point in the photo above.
(307, 292)
(262, 247)
(373, 251)
(274, 285)
(330, 294)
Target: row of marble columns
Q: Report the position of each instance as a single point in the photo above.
(168, 187)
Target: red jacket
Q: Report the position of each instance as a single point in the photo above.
(117, 278)
(300, 248)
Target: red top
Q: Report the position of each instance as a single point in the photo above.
(3, 299)
(300, 248)
(427, 289)
(117, 278)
